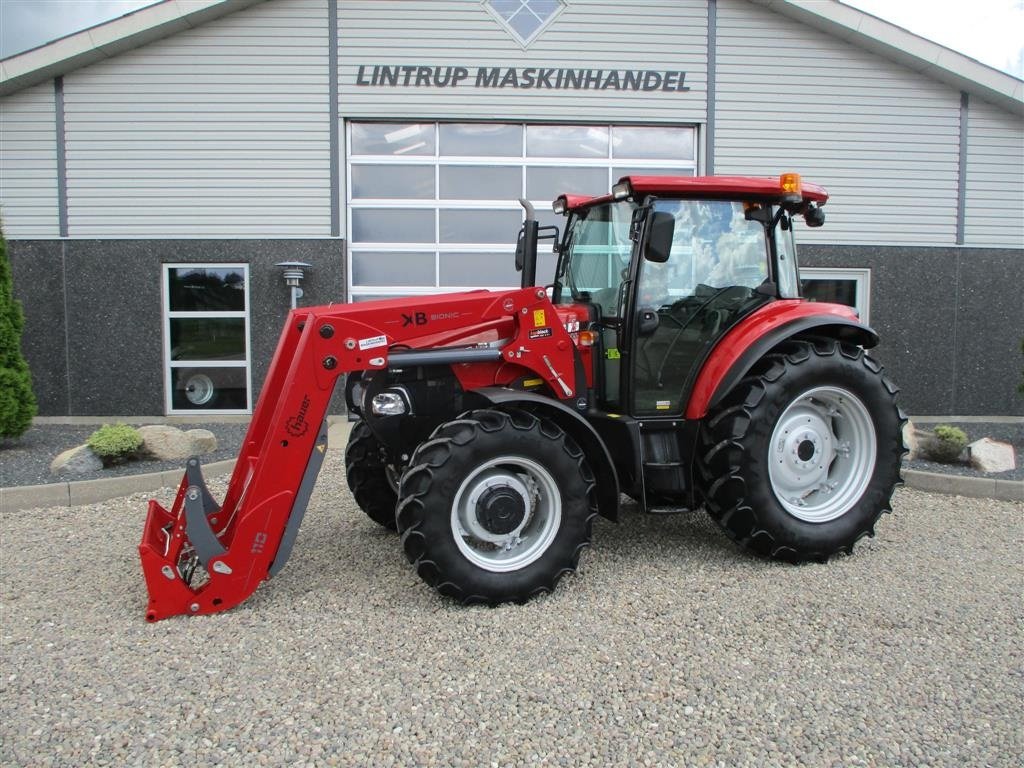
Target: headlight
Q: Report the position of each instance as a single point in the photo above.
(389, 404)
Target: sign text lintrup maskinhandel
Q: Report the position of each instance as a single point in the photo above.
(555, 78)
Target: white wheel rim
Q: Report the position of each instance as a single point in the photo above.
(199, 389)
(520, 478)
(822, 454)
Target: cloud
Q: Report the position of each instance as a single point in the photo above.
(25, 24)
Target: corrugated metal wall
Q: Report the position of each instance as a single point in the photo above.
(218, 131)
(882, 139)
(995, 177)
(659, 35)
(223, 130)
(28, 163)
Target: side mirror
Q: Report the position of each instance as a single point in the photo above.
(814, 216)
(659, 237)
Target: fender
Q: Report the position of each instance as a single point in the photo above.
(754, 336)
(578, 428)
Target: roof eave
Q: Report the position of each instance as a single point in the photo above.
(907, 49)
(103, 41)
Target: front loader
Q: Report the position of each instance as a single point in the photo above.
(671, 358)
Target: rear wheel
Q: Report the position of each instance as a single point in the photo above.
(496, 507)
(372, 480)
(802, 458)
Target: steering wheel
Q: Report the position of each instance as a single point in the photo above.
(683, 325)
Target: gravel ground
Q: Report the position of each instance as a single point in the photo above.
(671, 647)
(26, 461)
(1007, 433)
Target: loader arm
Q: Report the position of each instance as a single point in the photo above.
(200, 557)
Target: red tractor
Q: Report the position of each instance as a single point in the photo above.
(671, 358)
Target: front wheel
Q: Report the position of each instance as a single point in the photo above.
(802, 458)
(496, 506)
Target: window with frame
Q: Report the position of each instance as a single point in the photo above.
(839, 286)
(206, 338)
(434, 206)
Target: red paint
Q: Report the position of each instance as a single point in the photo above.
(738, 340)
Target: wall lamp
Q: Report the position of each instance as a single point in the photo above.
(293, 272)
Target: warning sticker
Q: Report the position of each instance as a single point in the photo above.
(373, 342)
(663, 405)
(612, 354)
(540, 333)
(538, 318)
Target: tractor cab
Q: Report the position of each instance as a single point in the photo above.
(663, 269)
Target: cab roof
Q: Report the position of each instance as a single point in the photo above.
(753, 188)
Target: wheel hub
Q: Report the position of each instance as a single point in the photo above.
(506, 513)
(500, 510)
(822, 454)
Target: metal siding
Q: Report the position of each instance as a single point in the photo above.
(995, 177)
(664, 35)
(882, 139)
(217, 131)
(28, 163)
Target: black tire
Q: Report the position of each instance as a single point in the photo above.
(367, 473)
(448, 467)
(750, 450)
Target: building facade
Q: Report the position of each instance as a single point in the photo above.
(156, 169)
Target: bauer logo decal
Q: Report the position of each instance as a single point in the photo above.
(297, 426)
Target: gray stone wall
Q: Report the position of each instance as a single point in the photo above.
(951, 322)
(951, 319)
(93, 333)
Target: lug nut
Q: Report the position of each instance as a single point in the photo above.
(326, 331)
(330, 363)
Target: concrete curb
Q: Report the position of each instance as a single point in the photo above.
(959, 485)
(70, 494)
(91, 491)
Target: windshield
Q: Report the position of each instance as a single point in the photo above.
(713, 246)
(599, 253)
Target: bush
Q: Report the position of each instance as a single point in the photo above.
(17, 403)
(115, 442)
(946, 444)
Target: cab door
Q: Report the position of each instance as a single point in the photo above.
(713, 277)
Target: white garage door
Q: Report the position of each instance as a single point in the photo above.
(433, 206)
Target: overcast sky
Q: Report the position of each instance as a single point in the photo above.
(991, 31)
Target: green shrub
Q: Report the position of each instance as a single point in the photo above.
(115, 442)
(17, 403)
(946, 444)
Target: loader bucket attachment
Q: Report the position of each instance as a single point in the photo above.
(203, 557)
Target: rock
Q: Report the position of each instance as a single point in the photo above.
(167, 443)
(76, 461)
(989, 455)
(203, 441)
(911, 439)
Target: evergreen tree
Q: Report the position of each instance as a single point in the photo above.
(17, 403)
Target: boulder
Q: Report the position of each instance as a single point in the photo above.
(167, 443)
(203, 441)
(989, 455)
(76, 461)
(912, 439)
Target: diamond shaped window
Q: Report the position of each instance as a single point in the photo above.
(524, 19)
